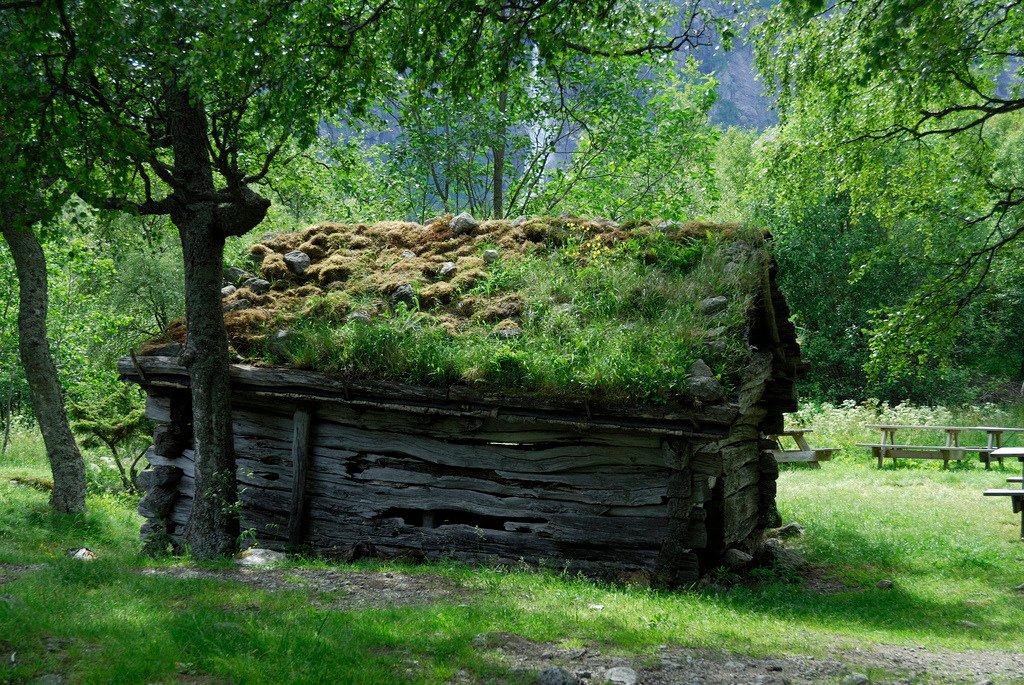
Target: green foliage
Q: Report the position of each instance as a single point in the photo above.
(343, 181)
(843, 266)
(13, 390)
(116, 421)
(615, 137)
(909, 112)
(650, 157)
(113, 283)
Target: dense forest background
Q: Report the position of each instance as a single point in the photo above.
(683, 136)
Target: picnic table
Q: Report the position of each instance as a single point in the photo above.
(1016, 495)
(951, 451)
(803, 452)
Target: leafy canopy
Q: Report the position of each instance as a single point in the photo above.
(915, 109)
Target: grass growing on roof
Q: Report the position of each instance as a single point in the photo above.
(561, 307)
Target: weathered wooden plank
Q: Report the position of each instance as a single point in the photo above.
(303, 385)
(702, 488)
(795, 456)
(158, 408)
(182, 509)
(487, 429)
(273, 432)
(300, 470)
(468, 542)
(184, 462)
(740, 478)
(372, 499)
(621, 497)
(506, 458)
(560, 521)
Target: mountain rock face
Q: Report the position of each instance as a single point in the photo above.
(741, 100)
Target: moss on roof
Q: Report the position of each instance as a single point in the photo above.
(562, 307)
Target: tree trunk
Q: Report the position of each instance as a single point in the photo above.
(66, 462)
(6, 417)
(212, 528)
(498, 152)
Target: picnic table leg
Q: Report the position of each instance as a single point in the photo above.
(878, 455)
(889, 437)
(952, 440)
(988, 455)
(802, 443)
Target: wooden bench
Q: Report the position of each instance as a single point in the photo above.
(894, 452)
(803, 453)
(1016, 495)
(951, 451)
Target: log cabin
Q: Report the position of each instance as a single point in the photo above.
(565, 393)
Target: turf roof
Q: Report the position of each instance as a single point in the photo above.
(560, 306)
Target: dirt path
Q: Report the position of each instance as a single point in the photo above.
(676, 665)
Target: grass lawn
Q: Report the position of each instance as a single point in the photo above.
(954, 556)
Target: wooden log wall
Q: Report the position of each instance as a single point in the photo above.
(351, 481)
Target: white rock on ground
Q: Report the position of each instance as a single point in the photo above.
(463, 224)
(258, 556)
(621, 675)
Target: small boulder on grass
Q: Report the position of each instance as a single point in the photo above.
(82, 554)
(713, 305)
(621, 675)
(701, 383)
(556, 676)
(736, 559)
(790, 530)
(260, 286)
(236, 275)
(279, 341)
(774, 551)
(259, 556)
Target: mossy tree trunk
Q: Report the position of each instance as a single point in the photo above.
(66, 462)
(203, 225)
